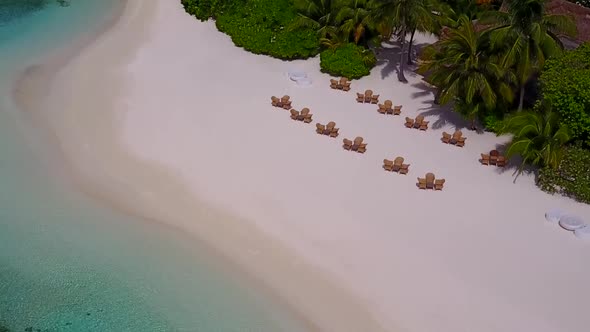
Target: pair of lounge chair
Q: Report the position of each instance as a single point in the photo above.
(494, 158)
(328, 130)
(356, 145)
(342, 84)
(368, 97)
(283, 102)
(418, 123)
(387, 108)
(304, 115)
(429, 182)
(396, 165)
(456, 139)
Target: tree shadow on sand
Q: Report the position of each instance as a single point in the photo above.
(388, 56)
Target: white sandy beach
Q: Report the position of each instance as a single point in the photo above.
(348, 245)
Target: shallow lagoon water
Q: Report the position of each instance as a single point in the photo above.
(71, 263)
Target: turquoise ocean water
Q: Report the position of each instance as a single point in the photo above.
(68, 263)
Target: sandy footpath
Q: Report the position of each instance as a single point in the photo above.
(351, 247)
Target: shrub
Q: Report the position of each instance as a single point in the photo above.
(259, 26)
(565, 85)
(493, 123)
(572, 178)
(348, 60)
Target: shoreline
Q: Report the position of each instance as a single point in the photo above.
(277, 265)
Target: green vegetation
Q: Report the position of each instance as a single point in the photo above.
(349, 60)
(571, 178)
(585, 3)
(565, 85)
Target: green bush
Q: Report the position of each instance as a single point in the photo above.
(565, 85)
(348, 60)
(205, 9)
(493, 123)
(572, 178)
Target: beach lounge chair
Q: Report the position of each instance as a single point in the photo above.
(388, 165)
(456, 136)
(485, 159)
(334, 83)
(319, 128)
(446, 137)
(347, 144)
(374, 99)
(494, 156)
(409, 122)
(362, 148)
(294, 114)
(275, 101)
(360, 97)
(344, 84)
(421, 183)
(303, 114)
(438, 184)
(356, 143)
(382, 109)
(397, 163)
(334, 132)
(368, 96)
(418, 121)
(424, 125)
(286, 102)
(307, 118)
(501, 161)
(404, 169)
(429, 181)
(461, 141)
(397, 110)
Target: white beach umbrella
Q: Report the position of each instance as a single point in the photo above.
(571, 223)
(553, 215)
(583, 233)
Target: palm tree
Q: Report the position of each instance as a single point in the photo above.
(354, 19)
(460, 67)
(317, 14)
(538, 138)
(405, 16)
(527, 36)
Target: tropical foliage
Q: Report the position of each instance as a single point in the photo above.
(525, 36)
(349, 60)
(585, 3)
(571, 178)
(565, 85)
(538, 138)
(465, 73)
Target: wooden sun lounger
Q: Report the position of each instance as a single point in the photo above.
(429, 181)
(347, 144)
(501, 161)
(438, 184)
(382, 109)
(286, 102)
(304, 114)
(360, 97)
(456, 136)
(362, 148)
(397, 110)
(275, 101)
(494, 157)
(388, 165)
(409, 122)
(368, 96)
(333, 83)
(357, 143)
(334, 132)
(294, 114)
(397, 164)
(424, 125)
(461, 142)
(418, 121)
(446, 137)
(319, 128)
(344, 83)
(421, 183)
(404, 169)
(485, 159)
(374, 99)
